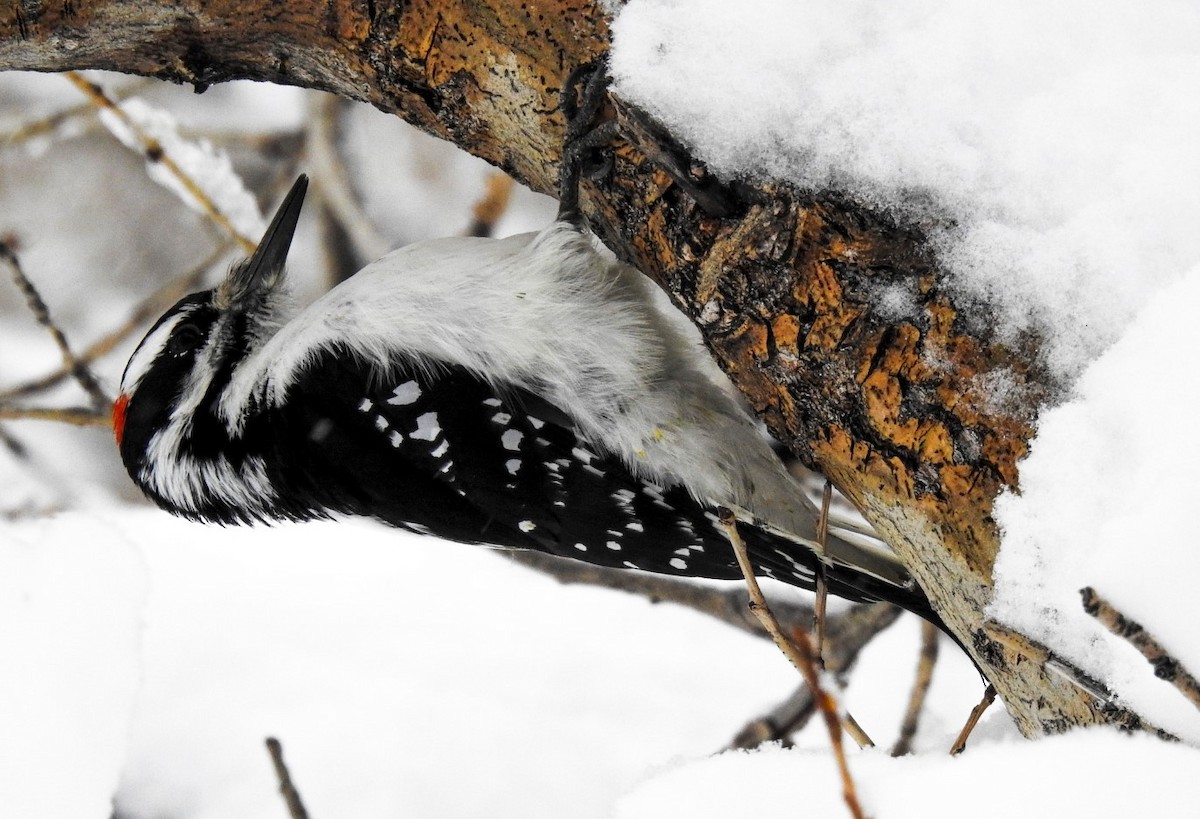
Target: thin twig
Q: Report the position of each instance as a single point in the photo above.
(78, 369)
(930, 640)
(729, 605)
(76, 416)
(153, 150)
(849, 633)
(822, 585)
(960, 744)
(793, 650)
(829, 710)
(1166, 666)
(758, 606)
(13, 445)
(47, 125)
(287, 788)
(150, 307)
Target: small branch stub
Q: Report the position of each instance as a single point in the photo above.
(287, 788)
(960, 744)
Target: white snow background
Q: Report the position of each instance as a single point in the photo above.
(147, 657)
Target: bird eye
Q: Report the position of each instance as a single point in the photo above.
(184, 340)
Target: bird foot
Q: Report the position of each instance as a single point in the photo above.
(583, 96)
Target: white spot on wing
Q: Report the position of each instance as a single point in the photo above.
(511, 439)
(635, 526)
(513, 465)
(365, 405)
(612, 544)
(491, 402)
(427, 427)
(581, 547)
(527, 526)
(679, 563)
(381, 423)
(537, 423)
(407, 393)
(396, 438)
(441, 449)
(502, 418)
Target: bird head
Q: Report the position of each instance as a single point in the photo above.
(167, 407)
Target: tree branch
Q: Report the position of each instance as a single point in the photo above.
(782, 283)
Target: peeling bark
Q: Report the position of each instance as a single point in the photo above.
(834, 320)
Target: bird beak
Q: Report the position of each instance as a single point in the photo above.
(261, 272)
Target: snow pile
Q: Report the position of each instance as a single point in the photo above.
(1054, 777)
(394, 669)
(1108, 495)
(1058, 137)
(71, 597)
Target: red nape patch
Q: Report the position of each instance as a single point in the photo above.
(118, 417)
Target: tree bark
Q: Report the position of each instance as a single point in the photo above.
(787, 287)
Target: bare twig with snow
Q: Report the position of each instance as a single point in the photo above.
(930, 640)
(1166, 666)
(131, 132)
(287, 788)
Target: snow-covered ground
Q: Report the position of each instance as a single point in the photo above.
(148, 657)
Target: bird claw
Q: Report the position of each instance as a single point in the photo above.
(583, 96)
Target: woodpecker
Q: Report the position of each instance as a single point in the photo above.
(526, 393)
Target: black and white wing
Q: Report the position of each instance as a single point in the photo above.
(439, 450)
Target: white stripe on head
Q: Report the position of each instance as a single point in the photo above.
(143, 357)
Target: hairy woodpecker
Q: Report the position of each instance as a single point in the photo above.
(523, 392)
